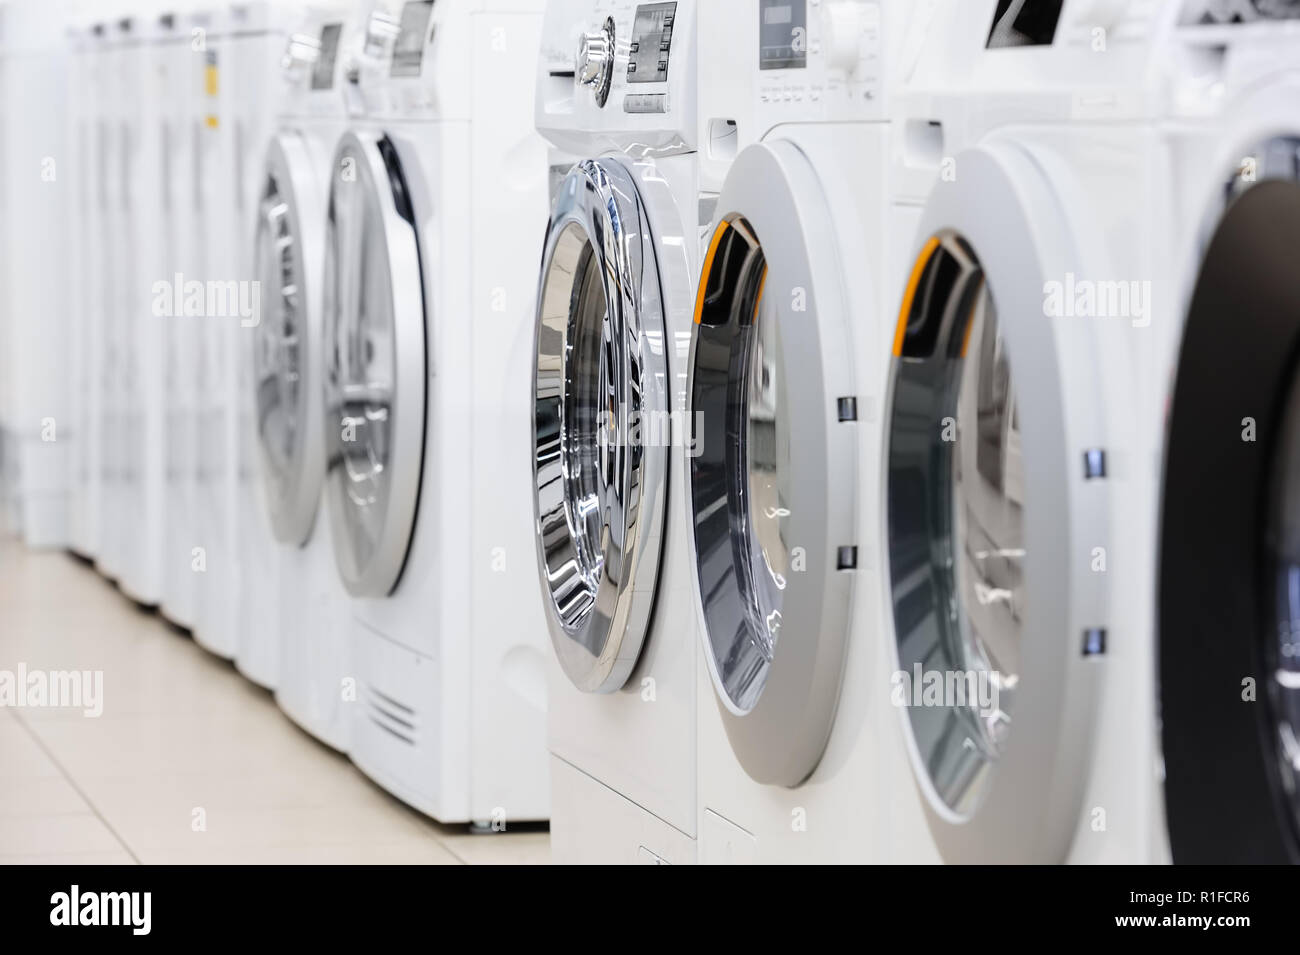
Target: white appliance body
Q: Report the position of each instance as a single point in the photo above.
(288, 368)
(819, 179)
(185, 111)
(621, 671)
(35, 398)
(145, 301)
(218, 602)
(1219, 394)
(447, 641)
(1052, 202)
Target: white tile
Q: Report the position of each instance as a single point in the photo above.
(114, 857)
(404, 853)
(44, 835)
(21, 757)
(181, 730)
(502, 848)
(39, 795)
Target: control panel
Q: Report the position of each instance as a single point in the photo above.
(820, 58)
(636, 54)
(622, 67)
(412, 30)
(322, 75)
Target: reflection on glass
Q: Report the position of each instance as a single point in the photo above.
(764, 554)
(956, 496)
(592, 453)
(988, 489)
(362, 374)
(277, 347)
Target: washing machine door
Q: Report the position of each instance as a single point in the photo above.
(995, 499)
(773, 489)
(600, 376)
(375, 364)
(288, 349)
(1229, 580)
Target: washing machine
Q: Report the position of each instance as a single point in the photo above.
(218, 603)
(83, 120)
(1227, 588)
(820, 180)
(35, 400)
(142, 263)
(257, 50)
(1016, 478)
(184, 117)
(610, 432)
(116, 343)
(427, 296)
(288, 359)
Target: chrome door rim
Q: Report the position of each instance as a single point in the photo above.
(368, 176)
(599, 599)
(292, 187)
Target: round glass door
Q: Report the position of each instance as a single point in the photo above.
(600, 387)
(956, 523)
(287, 347)
(1229, 583)
(375, 387)
(773, 486)
(995, 497)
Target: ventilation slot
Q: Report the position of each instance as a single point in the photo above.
(391, 716)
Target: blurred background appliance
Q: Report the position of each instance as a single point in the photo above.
(428, 284)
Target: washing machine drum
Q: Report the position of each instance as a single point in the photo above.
(1229, 602)
(773, 476)
(287, 350)
(601, 377)
(375, 388)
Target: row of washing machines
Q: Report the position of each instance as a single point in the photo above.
(888, 449)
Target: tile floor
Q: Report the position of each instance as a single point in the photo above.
(181, 732)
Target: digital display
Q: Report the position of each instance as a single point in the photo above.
(783, 34)
(652, 41)
(1024, 23)
(1219, 12)
(408, 51)
(322, 75)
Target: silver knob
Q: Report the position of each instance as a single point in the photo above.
(594, 67)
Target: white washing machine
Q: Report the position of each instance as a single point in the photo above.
(257, 50)
(184, 123)
(1228, 590)
(116, 343)
(142, 264)
(1015, 473)
(428, 292)
(35, 396)
(821, 180)
(218, 603)
(83, 119)
(288, 360)
(613, 326)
